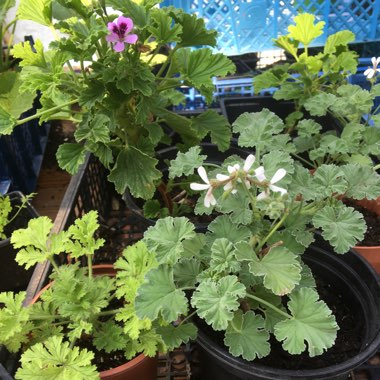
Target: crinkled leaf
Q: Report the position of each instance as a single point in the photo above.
(302, 184)
(246, 336)
(94, 130)
(311, 321)
(257, 128)
(275, 160)
(308, 127)
(109, 337)
(54, 359)
(174, 336)
(186, 163)
(135, 170)
(159, 296)
(216, 301)
(163, 28)
(342, 226)
(237, 206)
(222, 256)
(305, 31)
(329, 180)
(30, 56)
(166, 238)
(70, 156)
(318, 105)
(221, 227)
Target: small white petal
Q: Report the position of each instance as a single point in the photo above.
(369, 73)
(259, 173)
(209, 198)
(374, 61)
(279, 175)
(202, 173)
(233, 169)
(262, 196)
(234, 191)
(199, 186)
(377, 61)
(227, 186)
(248, 184)
(278, 189)
(249, 162)
(222, 177)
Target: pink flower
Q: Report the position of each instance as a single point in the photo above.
(120, 33)
(209, 197)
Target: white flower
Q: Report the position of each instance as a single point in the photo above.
(233, 170)
(371, 71)
(209, 198)
(279, 175)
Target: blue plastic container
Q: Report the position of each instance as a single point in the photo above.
(250, 25)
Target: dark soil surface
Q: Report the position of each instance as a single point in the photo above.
(347, 344)
(372, 236)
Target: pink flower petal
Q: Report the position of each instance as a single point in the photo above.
(131, 38)
(279, 175)
(125, 20)
(119, 47)
(110, 26)
(209, 198)
(112, 38)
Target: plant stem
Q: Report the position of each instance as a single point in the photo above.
(266, 303)
(50, 110)
(187, 318)
(89, 265)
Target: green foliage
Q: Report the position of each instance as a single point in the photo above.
(5, 209)
(186, 163)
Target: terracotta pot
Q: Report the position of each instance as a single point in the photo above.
(141, 367)
(371, 254)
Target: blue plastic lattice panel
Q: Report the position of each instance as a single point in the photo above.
(250, 25)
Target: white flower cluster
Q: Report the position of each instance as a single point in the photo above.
(371, 71)
(236, 175)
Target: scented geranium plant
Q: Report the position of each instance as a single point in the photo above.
(81, 315)
(122, 62)
(245, 276)
(318, 84)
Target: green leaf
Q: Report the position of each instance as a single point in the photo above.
(7, 122)
(279, 267)
(163, 29)
(95, 129)
(311, 322)
(342, 226)
(270, 78)
(362, 181)
(329, 180)
(54, 359)
(237, 206)
(210, 122)
(29, 56)
(305, 31)
(341, 38)
(216, 301)
(256, 129)
(284, 42)
(308, 127)
(14, 320)
(319, 104)
(222, 257)
(70, 157)
(109, 337)
(289, 91)
(186, 163)
(186, 272)
(166, 238)
(246, 336)
(275, 160)
(135, 170)
(135, 11)
(158, 296)
(221, 227)
(174, 336)
(92, 94)
(302, 184)
(39, 11)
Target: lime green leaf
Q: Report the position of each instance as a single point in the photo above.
(7, 122)
(186, 272)
(342, 226)
(186, 163)
(329, 180)
(174, 336)
(159, 296)
(54, 359)
(305, 31)
(167, 236)
(279, 267)
(151, 343)
(109, 337)
(341, 38)
(216, 301)
(311, 322)
(210, 122)
(163, 29)
(29, 56)
(284, 42)
(135, 170)
(14, 317)
(256, 129)
(135, 11)
(270, 78)
(246, 336)
(70, 156)
(39, 11)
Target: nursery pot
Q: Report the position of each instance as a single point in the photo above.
(141, 367)
(357, 283)
(213, 156)
(371, 254)
(14, 277)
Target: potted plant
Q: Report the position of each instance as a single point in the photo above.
(250, 283)
(15, 212)
(82, 322)
(123, 71)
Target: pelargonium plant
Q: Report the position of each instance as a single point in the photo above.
(81, 315)
(245, 276)
(319, 85)
(123, 63)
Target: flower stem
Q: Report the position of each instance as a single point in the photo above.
(266, 303)
(187, 318)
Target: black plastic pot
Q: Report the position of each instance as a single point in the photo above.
(14, 277)
(165, 155)
(359, 285)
